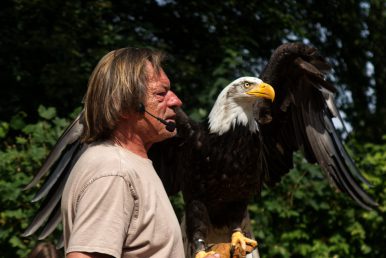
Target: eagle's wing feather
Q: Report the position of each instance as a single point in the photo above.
(69, 136)
(56, 170)
(53, 221)
(302, 120)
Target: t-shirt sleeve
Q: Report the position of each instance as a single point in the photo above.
(102, 217)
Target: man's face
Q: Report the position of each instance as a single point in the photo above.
(160, 102)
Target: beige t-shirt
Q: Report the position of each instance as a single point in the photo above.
(114, 203)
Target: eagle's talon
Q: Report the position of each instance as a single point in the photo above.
(239, 238)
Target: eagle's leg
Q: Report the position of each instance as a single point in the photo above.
(239, 218)
(197, 224)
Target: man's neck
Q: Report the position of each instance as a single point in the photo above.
(133, 147)
(126, 137)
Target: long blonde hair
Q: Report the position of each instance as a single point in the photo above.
(117, 85)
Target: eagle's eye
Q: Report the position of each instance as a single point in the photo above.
(247, 85)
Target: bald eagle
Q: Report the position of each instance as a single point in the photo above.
(248, 141)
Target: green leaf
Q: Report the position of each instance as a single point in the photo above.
(17, 121)
(21, 140)
(47, 113)
(4, 128)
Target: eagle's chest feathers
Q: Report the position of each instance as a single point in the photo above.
(231, 163)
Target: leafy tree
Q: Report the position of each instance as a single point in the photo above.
(49, 48)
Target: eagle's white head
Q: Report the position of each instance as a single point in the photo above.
(236, 102)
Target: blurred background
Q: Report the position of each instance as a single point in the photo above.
(48, 49)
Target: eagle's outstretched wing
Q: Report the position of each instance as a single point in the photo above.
(302, 120)
(55, 170)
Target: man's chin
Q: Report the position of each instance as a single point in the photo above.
(170, 134)
(165, 134)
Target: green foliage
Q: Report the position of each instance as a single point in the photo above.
(21, 155)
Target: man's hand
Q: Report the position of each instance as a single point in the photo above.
(213, 256)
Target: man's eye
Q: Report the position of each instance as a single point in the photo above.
(163, 94)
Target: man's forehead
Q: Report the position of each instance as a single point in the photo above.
(155, 76)
(151, 71)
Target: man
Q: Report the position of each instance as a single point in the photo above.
(114, 204)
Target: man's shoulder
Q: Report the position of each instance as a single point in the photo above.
(106, 156)
(100, 148)
(100, 153)
(98, 159)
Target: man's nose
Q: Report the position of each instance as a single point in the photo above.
(173, 100)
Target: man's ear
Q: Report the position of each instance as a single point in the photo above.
(139, 110)
(124, 116)
(128, 115)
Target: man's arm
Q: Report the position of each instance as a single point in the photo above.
(103, 214)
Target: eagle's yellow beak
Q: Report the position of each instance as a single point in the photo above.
(262, 90)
